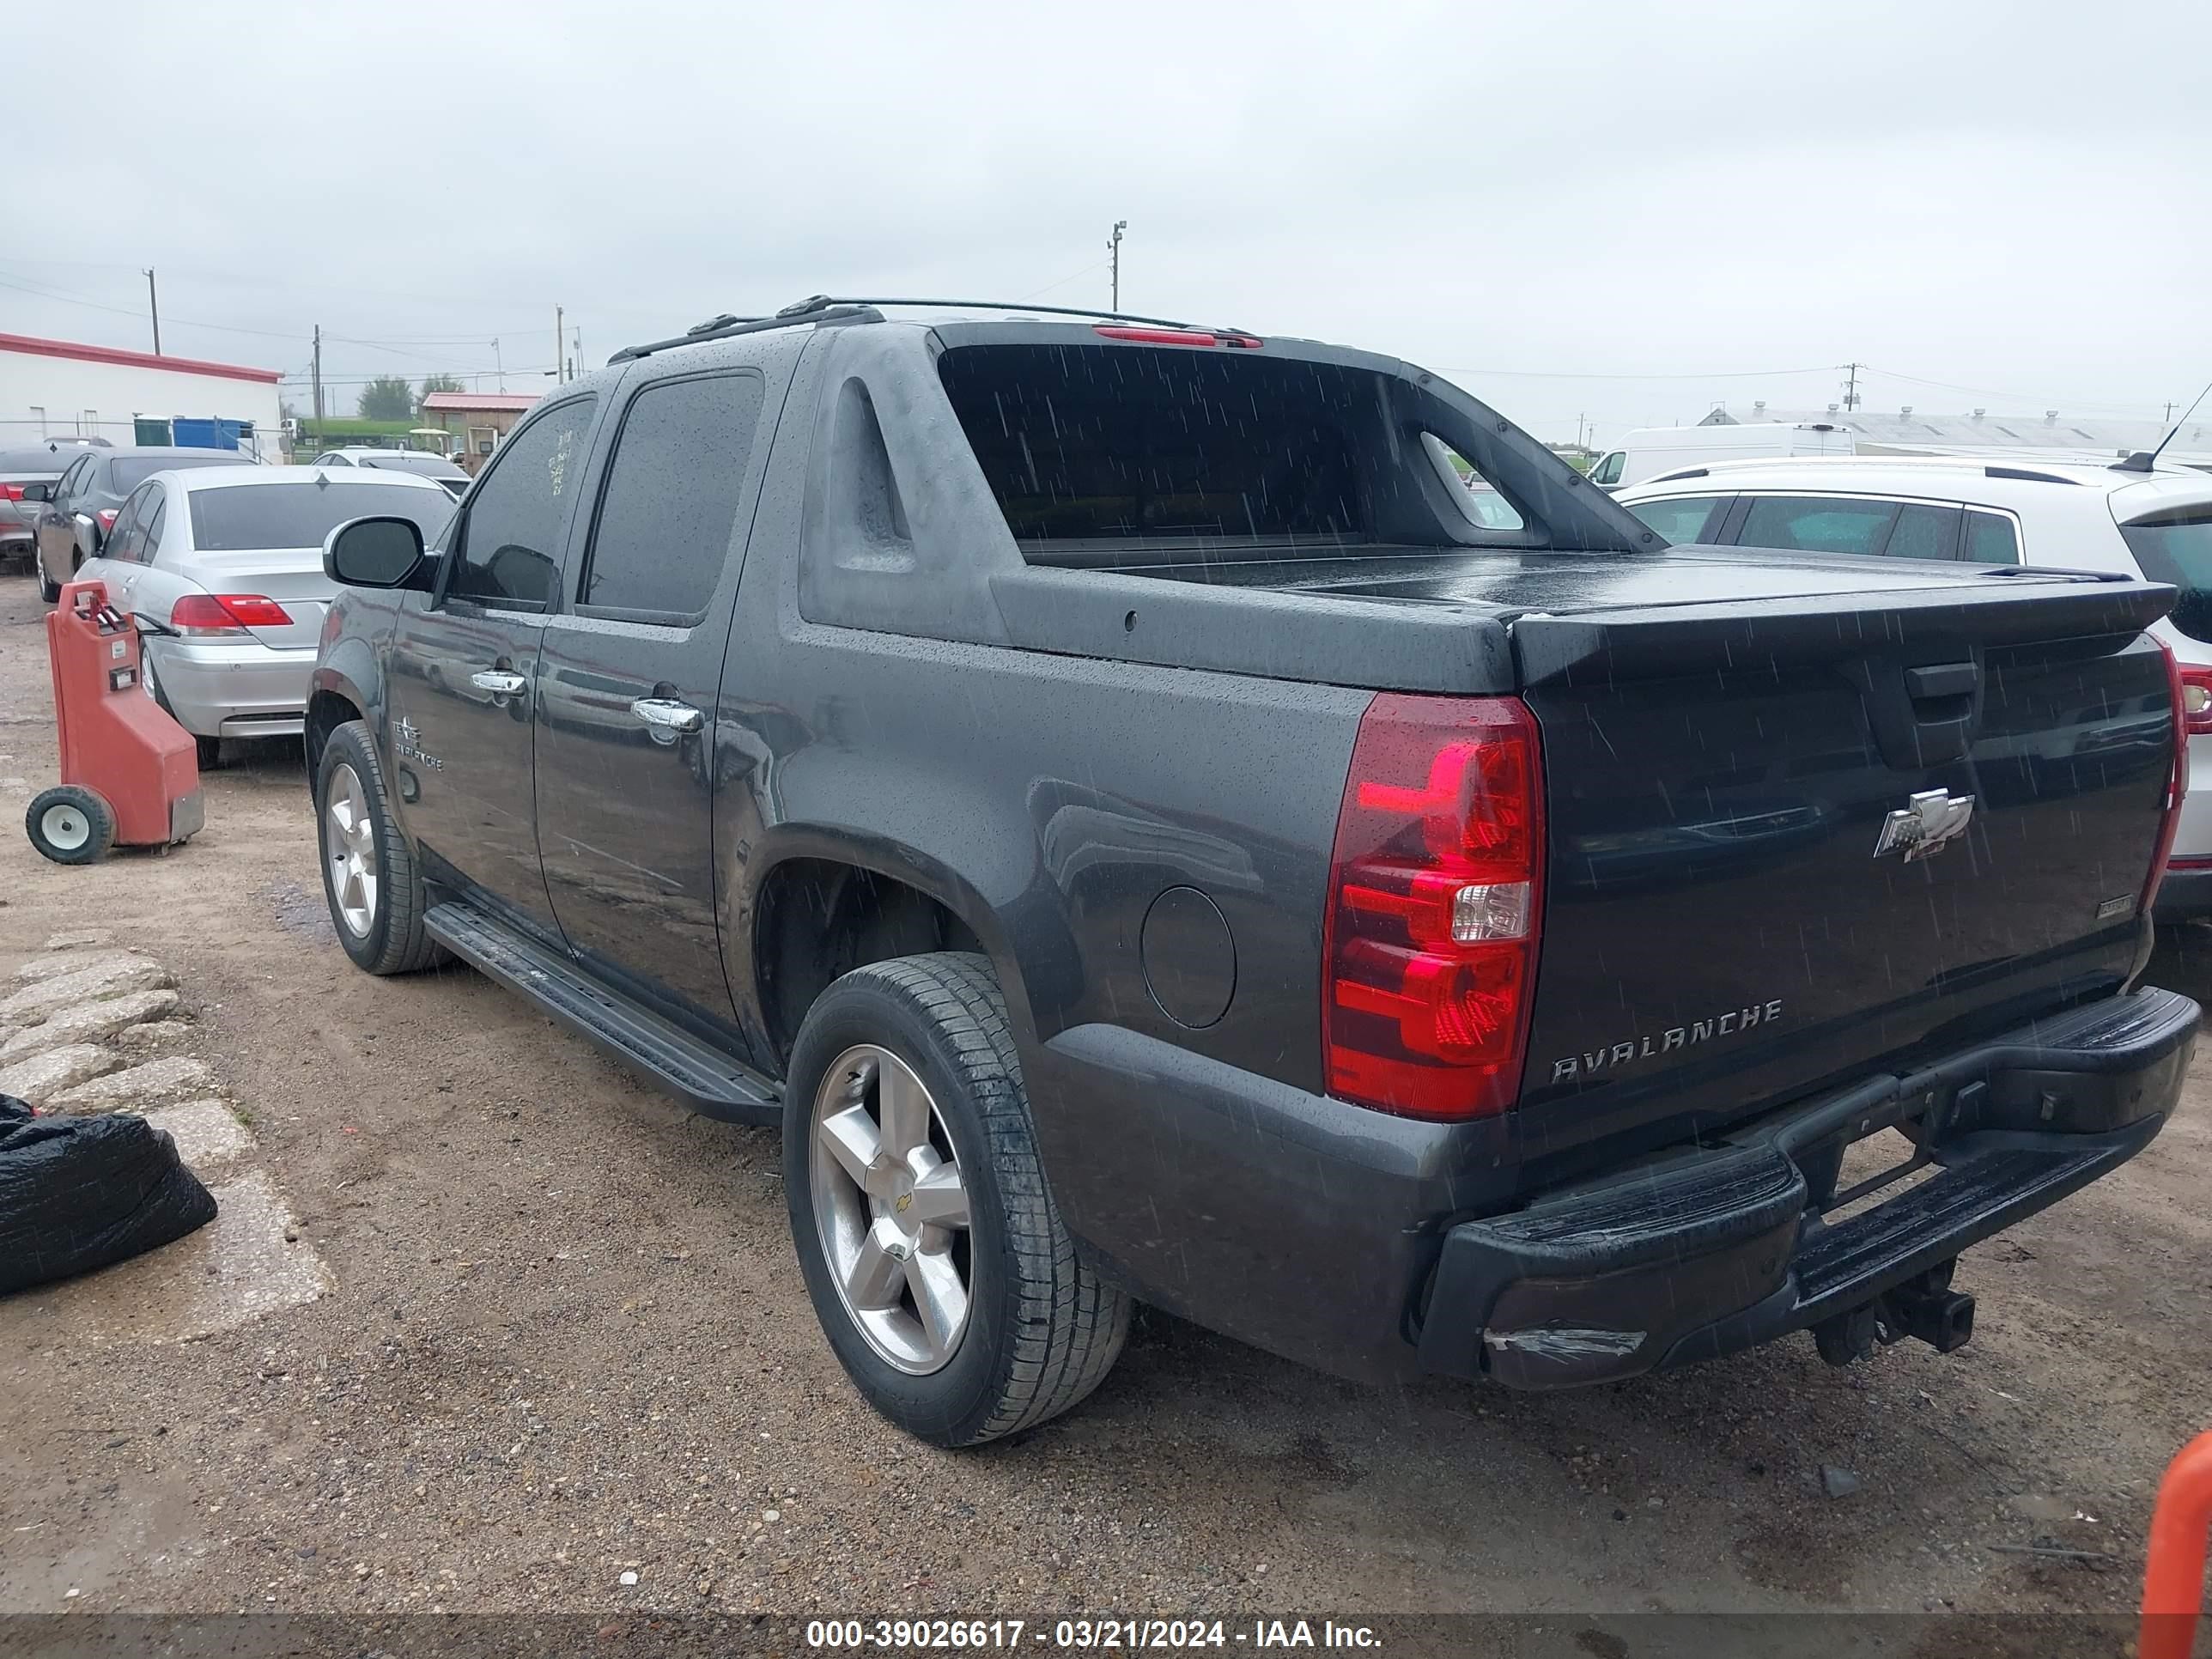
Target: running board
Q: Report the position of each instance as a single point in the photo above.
(707, 1081)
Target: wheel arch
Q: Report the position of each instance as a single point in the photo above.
(793, 865)
(334, 697)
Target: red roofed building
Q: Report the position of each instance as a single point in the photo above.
(478, 419)
(62, 389)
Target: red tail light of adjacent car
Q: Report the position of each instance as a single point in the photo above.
(204, 615)
(1436, 892)
(2188, 716)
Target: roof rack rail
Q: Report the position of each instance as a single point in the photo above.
(726, 326)
(837, 308)
(820, 299)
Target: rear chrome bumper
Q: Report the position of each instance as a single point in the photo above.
(1726, 1247)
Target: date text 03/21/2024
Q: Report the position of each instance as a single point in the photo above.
(899, 1634)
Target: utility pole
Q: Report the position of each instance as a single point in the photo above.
(501, 364)
(319, 374)
(576, 333)
(560, 348)
(2169, 407)
(1114, 246)
(154, 304)
(1851, 388)
(1578, 432)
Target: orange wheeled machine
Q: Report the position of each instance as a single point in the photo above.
(129, 774)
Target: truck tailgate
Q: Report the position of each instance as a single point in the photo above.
(1765, 873)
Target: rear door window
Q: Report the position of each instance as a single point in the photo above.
(1817, 523)
(1991, 540)
(1680, 518)
(669, 509)
(128, 534)
(1924, 533)
(2178, 548)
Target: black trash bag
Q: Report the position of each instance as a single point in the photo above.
(80, 1192)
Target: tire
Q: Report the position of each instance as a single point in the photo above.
(1040, 1331)
(379, 922)
(71, 824)
(207, 751)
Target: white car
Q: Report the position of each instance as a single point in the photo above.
(419, 462)
(223, 568)
(2157, 524)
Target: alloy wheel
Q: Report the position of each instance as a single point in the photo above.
(892, 1209)
(350, 848)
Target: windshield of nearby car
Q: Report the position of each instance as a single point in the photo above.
(2178, 549)
(129, 472)
(300, 514)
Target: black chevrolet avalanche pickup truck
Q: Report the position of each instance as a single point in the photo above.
(1156, 813)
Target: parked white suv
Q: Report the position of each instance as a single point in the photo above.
(2157, 524)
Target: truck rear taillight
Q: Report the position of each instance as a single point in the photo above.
(1435, 888)
(2196, 699)
(203, 615)
(2177, 789)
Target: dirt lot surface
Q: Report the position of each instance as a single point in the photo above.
(564, 1340)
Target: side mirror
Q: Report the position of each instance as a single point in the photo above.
(38, 492)
(377, 553)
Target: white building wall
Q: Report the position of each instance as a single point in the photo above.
(45, 397)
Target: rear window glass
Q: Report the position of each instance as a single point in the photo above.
(2179, 551)
(33, 463)
(301, 514)
(1678, 518)
(1121, 443)
(128, 472)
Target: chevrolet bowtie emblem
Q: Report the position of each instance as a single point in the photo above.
(1927, 824)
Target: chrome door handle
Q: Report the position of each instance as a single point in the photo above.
(667, 714)
(498, 682)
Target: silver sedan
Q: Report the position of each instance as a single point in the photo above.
(223, 568)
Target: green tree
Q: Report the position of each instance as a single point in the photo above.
(437, 383)
(387, 398)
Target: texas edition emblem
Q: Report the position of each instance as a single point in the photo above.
(1927, 824)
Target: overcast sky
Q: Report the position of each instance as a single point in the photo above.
(1626, 211)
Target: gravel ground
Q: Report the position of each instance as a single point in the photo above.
(568, 1343)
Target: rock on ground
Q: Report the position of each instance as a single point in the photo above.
(175, 1078)
(207, 1132)
(40, 1077)
(89, 1022)
(152, 1034)
(79, 937)
(126, 970)
(66, 962)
